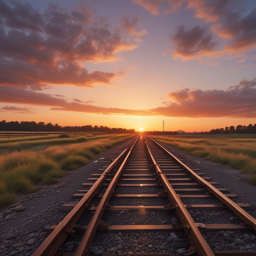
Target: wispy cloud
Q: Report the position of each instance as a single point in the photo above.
(16, 110)
(236, 101)
(23, 96)
(153, 6)
(39, 49)
(150, 5)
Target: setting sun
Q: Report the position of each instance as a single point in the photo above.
(141, 129)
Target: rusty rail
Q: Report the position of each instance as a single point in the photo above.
(240, 213)
(194, 236)
(52, 243)
(85, 243)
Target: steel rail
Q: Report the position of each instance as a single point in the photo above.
(194, 236)
(239, 212)
(85, 243)
(52, 243)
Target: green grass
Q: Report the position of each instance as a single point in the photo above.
(22, 145)
(238, 153)
(21, 171)
(26, 138)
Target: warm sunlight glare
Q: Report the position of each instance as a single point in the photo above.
(141, 129)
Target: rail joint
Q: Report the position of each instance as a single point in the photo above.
(103, 226)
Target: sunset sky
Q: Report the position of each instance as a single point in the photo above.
(129, 63)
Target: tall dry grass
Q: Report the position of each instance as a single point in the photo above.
(25, 143)
(238, 153)
(21, 171)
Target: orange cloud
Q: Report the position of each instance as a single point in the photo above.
(210, 11)
(16, 110)
(150, 5)
(236, 101)
(153, 6)
(10, 94)
(130, 24)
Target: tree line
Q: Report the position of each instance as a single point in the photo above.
(49, 127)
(239, 129)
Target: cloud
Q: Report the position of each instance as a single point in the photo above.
(130, 24)
(193, 42)
(153, 6)
(50, 48)
(210, 11)
(23, 96)
(237, 101)
(16, 110)
(77, 100)
(241, 32)
(150, 5)
(20, 74)
(20, 16)
(229, 19)
(230, 23)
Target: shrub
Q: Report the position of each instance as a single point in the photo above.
(16, 181)
(63, 135)
(252, 180)
(3, 187)
(82, 139)
(73, 162)
(47, 165)
(15, 159)
(7, 198)
(56, 153)
(52, 176)
(95, 149)
(85, 153)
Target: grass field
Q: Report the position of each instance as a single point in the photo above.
(22, 143)
(22, 169)
(236, 151)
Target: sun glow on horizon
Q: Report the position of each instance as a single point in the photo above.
(141, 129)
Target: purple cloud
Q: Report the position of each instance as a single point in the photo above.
(50, 48)
(192, 43)
(16, 110)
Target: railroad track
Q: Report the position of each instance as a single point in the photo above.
(136, 204)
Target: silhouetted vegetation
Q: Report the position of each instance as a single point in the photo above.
(41, 126)
(240, 129)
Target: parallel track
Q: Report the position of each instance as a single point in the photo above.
(147, 164)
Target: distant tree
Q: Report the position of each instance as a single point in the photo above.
(239, 127)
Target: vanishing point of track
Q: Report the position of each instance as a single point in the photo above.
(145, 163)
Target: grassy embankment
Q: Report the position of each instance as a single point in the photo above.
(20, 171)
(236, 152)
